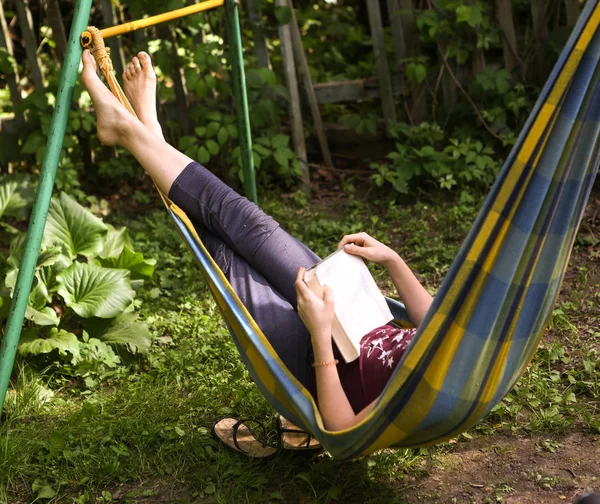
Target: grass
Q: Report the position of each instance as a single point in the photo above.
(142, 433)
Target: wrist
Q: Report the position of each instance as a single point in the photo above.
(322, 347)
(393, 261)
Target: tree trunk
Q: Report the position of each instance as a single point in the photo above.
(260, 43)
(417, 92)
(31, 45)
(109, 18)
(504, 15)
(58, 28)
(11, 77)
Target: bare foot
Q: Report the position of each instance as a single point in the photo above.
(139, 84)
(114, 122)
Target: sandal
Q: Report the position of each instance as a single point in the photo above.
(239, 437)
(295, 439)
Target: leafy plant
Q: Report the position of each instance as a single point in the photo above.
(81, 303)
(420, 159)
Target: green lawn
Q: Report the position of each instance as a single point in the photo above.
(141, 433)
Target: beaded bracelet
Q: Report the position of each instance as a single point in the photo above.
(326, 363)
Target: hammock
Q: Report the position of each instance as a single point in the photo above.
(491, 310)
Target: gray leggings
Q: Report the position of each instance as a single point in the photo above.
(259, 259)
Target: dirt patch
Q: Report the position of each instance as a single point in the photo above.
(511, 470)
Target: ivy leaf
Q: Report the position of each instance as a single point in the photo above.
(32, 343)
(254, 78)
(263, 151)
(268, 76)
(93, 291)
(281, 158)
(186, 141)
(213, 147)
(212, 129)
(133, 261)
(73, 226)
(203, 155)
(463, 13)
(123, 330)
(34, 142)
(223, 136)
(280, 141)
(16, 196)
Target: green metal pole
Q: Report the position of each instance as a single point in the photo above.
(241, 98)
(44, 194)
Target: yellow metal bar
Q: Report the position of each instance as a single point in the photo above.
(160, 18)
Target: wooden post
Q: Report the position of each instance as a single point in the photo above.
(418, 96)
(383, 73)
(540, 34)
(300, 57)
(504, 16)
(109, 18)
(295, 110)
(11, 77)
(260, 44)
(397, 33)
(572, 7)
(31, 45)
(58, 28)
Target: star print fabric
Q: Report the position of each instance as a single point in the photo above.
(366, 377)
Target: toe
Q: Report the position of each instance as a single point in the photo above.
(144, 59)
(136, 64)
(88, 60)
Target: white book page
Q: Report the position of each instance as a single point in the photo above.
(359, 304)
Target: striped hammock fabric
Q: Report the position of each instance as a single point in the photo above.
(491, 310)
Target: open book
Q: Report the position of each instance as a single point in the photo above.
(359, 305)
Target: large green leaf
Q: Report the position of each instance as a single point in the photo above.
(46, 256)
(133, 261)
(32, 343)
(71, 225)
(123, 330)
(49, 273)
(37, 311)
(114, 242)
(93, 291)
(43, 317)
(16, 196)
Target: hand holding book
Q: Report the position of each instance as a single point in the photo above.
(363, 245)
(316, 312)
(358, 305)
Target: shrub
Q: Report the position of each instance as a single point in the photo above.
(81, 304)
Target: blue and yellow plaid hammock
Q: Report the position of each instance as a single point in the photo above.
(491, 310)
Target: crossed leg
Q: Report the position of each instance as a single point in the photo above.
(259, 258)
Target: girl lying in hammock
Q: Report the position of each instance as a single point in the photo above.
(263, 263)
